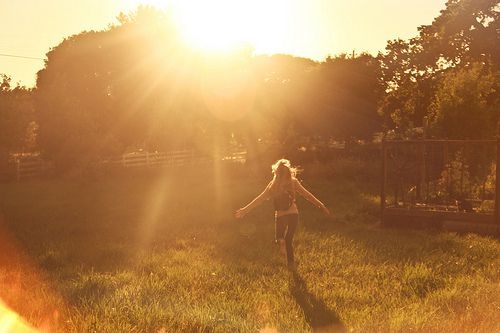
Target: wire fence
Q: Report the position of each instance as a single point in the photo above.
(441, 175)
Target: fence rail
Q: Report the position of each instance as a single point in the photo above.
(31, 166)
(173, 158)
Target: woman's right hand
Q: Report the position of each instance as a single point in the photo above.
(325, 210)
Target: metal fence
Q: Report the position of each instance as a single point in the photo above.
(458, 176)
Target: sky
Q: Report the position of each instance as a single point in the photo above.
(312, 29)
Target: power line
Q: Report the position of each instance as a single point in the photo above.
(19, 56)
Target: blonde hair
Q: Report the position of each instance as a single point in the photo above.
(283, 173)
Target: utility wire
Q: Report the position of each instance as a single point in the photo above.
(19, 56)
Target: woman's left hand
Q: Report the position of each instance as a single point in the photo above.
(240, 213)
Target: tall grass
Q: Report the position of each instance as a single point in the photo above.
(160, 251)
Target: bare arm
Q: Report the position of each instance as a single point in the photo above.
(310, 197)
(254, 203)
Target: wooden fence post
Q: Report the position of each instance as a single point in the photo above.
(384, 180)
(18, 167)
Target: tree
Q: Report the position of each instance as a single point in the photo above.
(136, 85)
(17, 121)
(17, 118)
(351, 87)
(466, 104)
(103, 91)
(282, 93)
(465, 33)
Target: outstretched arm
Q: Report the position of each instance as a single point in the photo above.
(254, 203)
(310, 197)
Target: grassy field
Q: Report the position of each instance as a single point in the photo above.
(159, 251)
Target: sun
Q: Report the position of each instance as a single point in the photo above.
(221, 25)
(212, 25)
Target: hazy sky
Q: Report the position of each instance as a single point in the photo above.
(306, 28)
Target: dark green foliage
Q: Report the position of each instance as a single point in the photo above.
(451, 69)
(17, 121)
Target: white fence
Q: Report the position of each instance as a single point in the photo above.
(238, 157)
(30, 166)
(174, 158)
(34, 166)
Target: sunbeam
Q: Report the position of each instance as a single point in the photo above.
(229, 94)
(154, 210)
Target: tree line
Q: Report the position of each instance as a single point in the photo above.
(137, 84)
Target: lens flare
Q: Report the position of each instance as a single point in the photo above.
(12, 322)
(229, 95)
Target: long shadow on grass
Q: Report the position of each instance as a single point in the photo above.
(316, 312)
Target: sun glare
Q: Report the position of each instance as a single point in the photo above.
(210, 25)
(221, 25)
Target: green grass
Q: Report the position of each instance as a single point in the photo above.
(160, 252)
